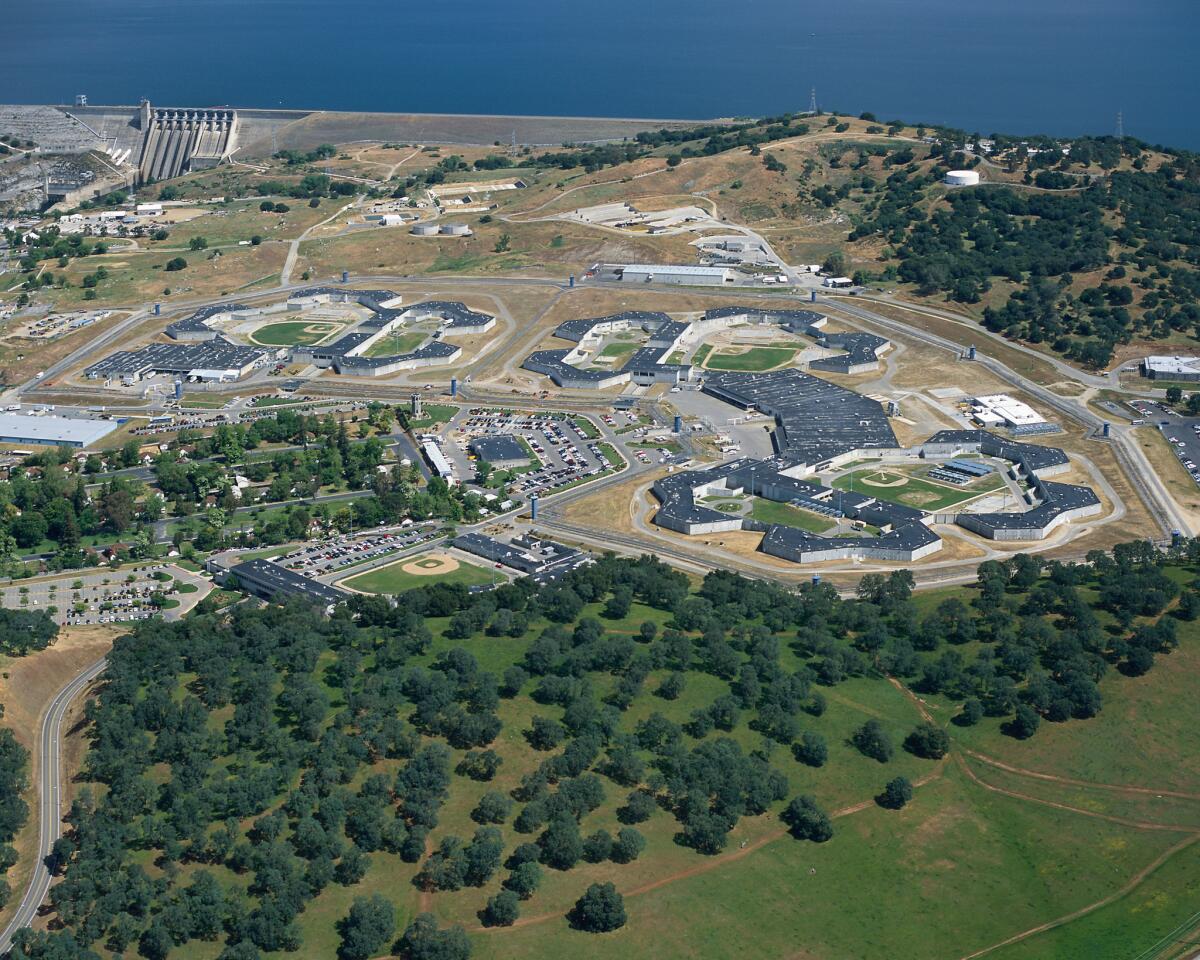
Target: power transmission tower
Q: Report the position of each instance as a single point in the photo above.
(1120, 125)
(812, 102)
(512, 147)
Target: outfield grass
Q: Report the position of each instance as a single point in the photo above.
(914, 492)
(294, 333)
(754, 360)
(392, 579)
(785, 514)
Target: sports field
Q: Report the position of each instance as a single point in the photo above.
(896, 487)
(754, 360)
(417, 572)
(294, 333)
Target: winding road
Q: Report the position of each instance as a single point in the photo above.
(49, 800)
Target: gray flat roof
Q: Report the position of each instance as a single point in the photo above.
(501, 448)
(275, 579)
(15, 428)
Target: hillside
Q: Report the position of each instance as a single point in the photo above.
(447, 778)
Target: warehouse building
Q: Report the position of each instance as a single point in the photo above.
(1183, 369)
(999, 409)
(54, 431)
(685, 275)
(216, 360)
(438, 462)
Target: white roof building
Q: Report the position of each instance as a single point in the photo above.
(1172, 365)
(54, 431)
(1001, 408)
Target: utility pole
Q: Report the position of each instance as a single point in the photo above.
(512, 147)
(1120, 125)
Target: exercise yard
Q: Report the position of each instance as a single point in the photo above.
(395, 344)
(896, 487)
(768, 511)
(291, 333)
(420, 571)
(753, 360)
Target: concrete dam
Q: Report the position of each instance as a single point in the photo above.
(176, 141)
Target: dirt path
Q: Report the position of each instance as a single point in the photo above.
(713, 863)
(1115, 787)
(1112, 818)
(1129, 887)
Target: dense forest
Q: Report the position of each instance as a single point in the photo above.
(258, 755)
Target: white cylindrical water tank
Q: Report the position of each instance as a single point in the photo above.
(961, 178)
(425, 230)
(456, 229)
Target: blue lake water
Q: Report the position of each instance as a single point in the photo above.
(1017, 66)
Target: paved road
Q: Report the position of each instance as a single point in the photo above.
(50, 799)
(50, 803)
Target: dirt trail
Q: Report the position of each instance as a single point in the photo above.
(705, 866)
(1129, 887)
(425, 900)
(1116, 787)
(1123, 821)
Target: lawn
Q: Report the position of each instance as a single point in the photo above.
(394, 579)
(393, 345)
(896, 487)
(754, 360)
(768, 511)
(433, 413)
(589, 429)
(615, 355)
(294, 333)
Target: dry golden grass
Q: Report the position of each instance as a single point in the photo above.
(27, 684)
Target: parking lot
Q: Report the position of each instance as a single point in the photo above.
(107, 596)
(562, 446)
(360, 551)
(1181, 433)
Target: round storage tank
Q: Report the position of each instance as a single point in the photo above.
(456, 229)
(425, 230)
(961, 178)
